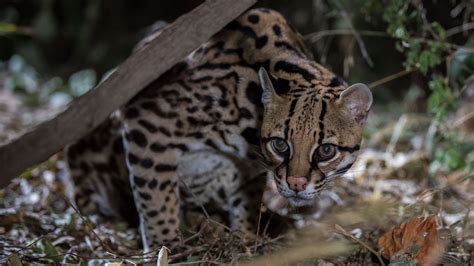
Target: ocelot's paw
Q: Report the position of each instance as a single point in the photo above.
(248, 238)
(247, 232)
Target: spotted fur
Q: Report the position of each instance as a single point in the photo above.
(200, 133)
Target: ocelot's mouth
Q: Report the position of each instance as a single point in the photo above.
(297, 201)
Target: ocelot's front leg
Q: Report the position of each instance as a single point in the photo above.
(153, 177)
(210, 176)
(244, 207)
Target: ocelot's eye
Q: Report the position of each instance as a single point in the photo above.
(324, 152)
(279, 146)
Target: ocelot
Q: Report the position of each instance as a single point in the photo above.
(249, 104)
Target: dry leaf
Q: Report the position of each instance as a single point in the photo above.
(416, 239)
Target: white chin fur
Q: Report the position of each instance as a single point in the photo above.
(299, 202)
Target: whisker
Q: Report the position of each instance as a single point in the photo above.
(355, 171)
(332, 177)
(343, 172)
(317, 195)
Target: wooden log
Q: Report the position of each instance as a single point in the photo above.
(140, 69)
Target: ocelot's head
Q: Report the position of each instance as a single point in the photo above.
(311, 130)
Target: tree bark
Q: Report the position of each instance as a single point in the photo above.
(140, 69)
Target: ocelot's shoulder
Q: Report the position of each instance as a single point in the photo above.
(270, 29)
(262, 21)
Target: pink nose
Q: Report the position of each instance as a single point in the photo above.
(297, 183)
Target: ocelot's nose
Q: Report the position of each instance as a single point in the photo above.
(297, 183)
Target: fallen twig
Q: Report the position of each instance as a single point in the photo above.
(24, 248)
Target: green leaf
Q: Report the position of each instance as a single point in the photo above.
(46, 247)
(439, 30)
(8, 28)
(454, 159)
(401, 33)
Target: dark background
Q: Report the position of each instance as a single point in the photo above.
(66, 36)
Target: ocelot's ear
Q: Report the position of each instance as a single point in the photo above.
(358, 99)
(268, 91)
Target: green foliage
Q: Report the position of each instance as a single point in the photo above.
(406, 24)
(424, 46)
(450, 156)
(448, 152)
(422, 42)
(441, 99)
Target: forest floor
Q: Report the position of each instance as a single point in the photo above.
(397, 204)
